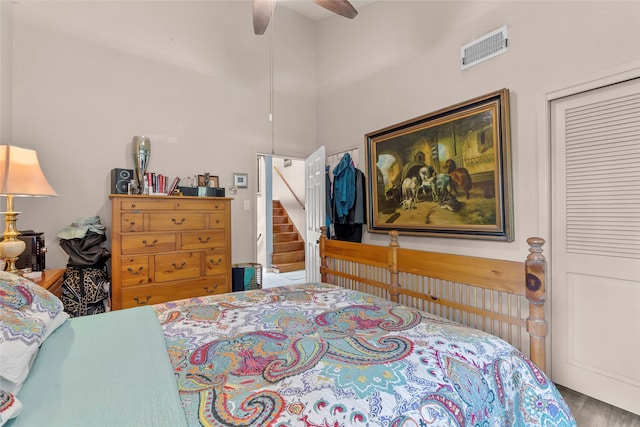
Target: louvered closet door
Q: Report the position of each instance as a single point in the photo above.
(595, 264)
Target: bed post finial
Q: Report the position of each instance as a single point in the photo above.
(535, 267)
(394, 284)
(393, 237)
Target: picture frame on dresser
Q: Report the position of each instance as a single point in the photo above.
(168, 248)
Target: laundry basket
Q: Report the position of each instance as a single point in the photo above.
(246, 276)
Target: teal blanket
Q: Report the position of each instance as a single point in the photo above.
(106, 370)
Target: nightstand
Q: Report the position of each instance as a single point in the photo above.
(52, 280)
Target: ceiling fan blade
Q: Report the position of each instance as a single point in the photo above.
(341, 7)
(262, 10)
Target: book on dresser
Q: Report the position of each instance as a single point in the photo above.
(168, 248)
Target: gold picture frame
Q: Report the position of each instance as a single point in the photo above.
(444, 174)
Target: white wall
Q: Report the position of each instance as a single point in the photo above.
(87, 76)
(407, 64)
(6, 79)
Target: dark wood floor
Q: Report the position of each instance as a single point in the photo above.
(590, 412)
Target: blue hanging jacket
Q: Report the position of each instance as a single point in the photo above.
(344, 190)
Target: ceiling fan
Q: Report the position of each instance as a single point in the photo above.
(263, 9)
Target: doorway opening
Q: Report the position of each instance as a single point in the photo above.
(280, 241)
(291, 208)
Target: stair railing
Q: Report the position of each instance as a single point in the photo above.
(288, 186)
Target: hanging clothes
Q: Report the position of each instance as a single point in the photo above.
(344, 192)
(328, 203)
(360, 202)
(349, 228)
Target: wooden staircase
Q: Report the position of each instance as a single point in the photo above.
(288, 246)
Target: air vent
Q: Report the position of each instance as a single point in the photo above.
(485, 47)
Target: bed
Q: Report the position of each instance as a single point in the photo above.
(318, 354)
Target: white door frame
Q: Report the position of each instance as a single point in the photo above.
(620, 73)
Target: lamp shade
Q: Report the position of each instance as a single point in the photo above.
(20, 173)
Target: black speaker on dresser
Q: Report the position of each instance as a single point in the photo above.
(120, 179)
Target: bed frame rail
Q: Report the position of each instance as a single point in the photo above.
(504, 298)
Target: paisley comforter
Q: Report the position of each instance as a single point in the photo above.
(318, 355)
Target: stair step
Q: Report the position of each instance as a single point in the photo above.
(285, 237)
(282, 228)
(292, 266)
(286, 257)
(288, 246)
(281, 220)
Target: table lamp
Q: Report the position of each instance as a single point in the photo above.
(20, 176)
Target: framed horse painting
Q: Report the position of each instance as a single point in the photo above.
(446, 173)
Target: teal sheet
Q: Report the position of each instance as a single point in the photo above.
(105, 370)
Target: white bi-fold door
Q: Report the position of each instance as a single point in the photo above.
(595, 260)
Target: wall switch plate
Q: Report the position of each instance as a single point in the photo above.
(247, 205)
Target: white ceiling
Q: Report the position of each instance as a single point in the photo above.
(314, 11)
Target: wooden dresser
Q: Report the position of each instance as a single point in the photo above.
(167, 248)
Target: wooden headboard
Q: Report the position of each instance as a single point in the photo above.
(504, 298)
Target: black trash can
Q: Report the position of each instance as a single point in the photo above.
(246, 276)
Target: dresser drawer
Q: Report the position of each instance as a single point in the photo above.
(148, 204)
(184, 265)
(148, 243)
(171, 221)
(154, 294)
(135, 270)
(216, 285)
(216, 262)
(203, 239)
(201, 204)
(132, 222)
(217, 220)
(217, 205)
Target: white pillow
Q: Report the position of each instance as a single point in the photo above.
(29, 315)
(10, 406)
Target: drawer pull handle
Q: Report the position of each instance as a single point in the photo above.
(180, 267)
(206, 288)
(216, 262)
(133, 205)
(217, 206)
(217, 221)
(130, 270)
(176, 222)
(149, 245)
(204, 240)
(137, 300)
(132, 223)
